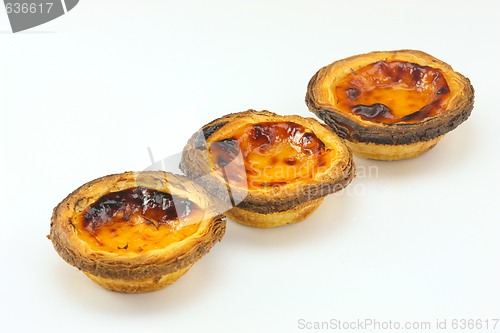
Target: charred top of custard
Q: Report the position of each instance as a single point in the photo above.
(137, 219)
(155, 207)
(269, 154)
(391, 92)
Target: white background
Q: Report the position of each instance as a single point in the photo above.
(84, 96)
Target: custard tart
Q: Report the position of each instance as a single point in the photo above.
(276, 169)
(136, 232)
(390, 105)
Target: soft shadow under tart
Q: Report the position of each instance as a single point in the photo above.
(274, 170)
(390, 105)
(136, 232)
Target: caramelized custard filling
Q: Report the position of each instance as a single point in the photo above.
(269, 154)
(391, 92)
(137, 219)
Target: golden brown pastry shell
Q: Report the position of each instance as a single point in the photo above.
(129, 271)
(320, 101)
(270, 220)
(267, 207)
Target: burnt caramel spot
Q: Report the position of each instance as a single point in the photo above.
(203, 135)
(155, 207)
(263, 137)
(211, 130)
(395, 91)
(372, 111)
(274, 184)
(353, 93)
(442, 90)
(268, 154)
(311, 143)
(417, 75)
(228, 150)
